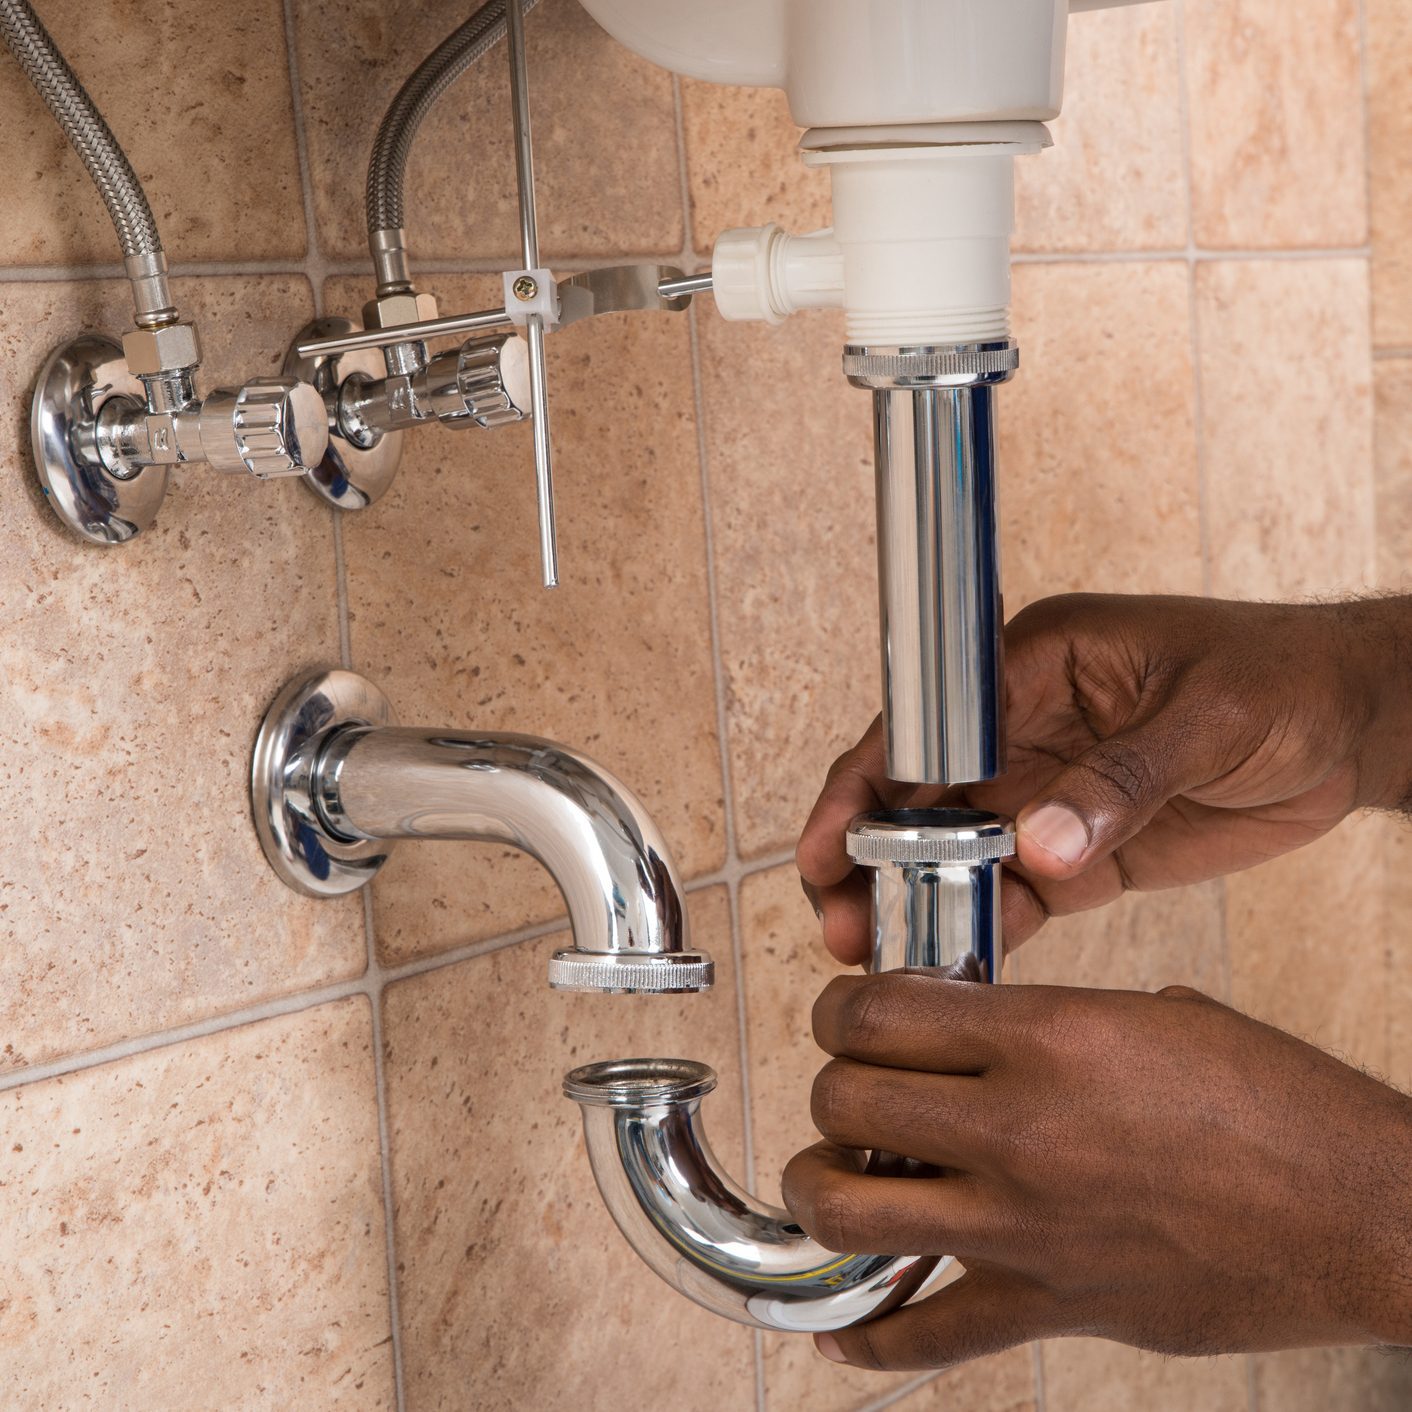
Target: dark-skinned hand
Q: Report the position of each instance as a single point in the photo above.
(1158, 1170)
(1155, 742)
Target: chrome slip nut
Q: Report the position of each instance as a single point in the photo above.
(632, 972)
(170, 349)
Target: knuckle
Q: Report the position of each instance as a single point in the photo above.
(867, 1350)
(832, 1100)
(843, 764)
(868, 1015)
(1121, 771)
(937, 1347)
(827, 1016)
(834, 1218)
(798, 1183)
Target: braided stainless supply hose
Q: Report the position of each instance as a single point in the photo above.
(387, 168)
(93, 140)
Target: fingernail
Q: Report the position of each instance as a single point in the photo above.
(827, 1344)
(812, 893)
(1058, 831)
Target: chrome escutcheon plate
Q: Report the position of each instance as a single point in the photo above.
(79, 377)
(300, 847)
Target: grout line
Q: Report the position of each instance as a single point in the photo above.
(313, 265)
(688, 256)
(370, 982)
(301, 144)
(1390, 354)
(198, 1029)
(1193, 306)
(1366, 84)
(1191, 252)
(316, 272)
(96, 270)
(340, 569)
(722, 735)
(690, 262)
(1203, 465)
(389, 1205)
(891, 1399)
(317, 267)
(1037, 1359)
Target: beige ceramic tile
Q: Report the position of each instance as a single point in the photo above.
(1287, 404)
(1393, 386)
(1144, 941)
(1001, 1384)
(1276, 94)
(1305, 934)
(200, 1226)
(516, 1289)
(449, 615)
(1090, 1375)
(789, 448)
(1098, 478)
(1114, 179)
(743, 165)
(200, 101)
(1390, 167)
(606, 171)
(1320, 1379)
(133, 894)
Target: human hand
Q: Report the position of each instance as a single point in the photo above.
(1154, 742)
(1157, 1170)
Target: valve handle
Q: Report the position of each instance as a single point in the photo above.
(269, 427)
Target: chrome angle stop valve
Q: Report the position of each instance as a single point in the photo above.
(108, 422)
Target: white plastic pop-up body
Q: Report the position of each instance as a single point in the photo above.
(919, 252)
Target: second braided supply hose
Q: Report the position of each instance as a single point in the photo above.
(387, 168)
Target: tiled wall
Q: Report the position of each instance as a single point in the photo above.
(258, 1151)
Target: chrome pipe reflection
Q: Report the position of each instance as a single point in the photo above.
(592, 834)
(939, 584)
(334, 782)
(702, 1233)
(937, 888)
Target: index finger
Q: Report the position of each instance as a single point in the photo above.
(909, 1020)
(857, 783)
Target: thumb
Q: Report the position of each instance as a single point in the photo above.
(1100, 800)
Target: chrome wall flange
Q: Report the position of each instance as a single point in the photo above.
(350, 477)
(300, 846)
(76, 382)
